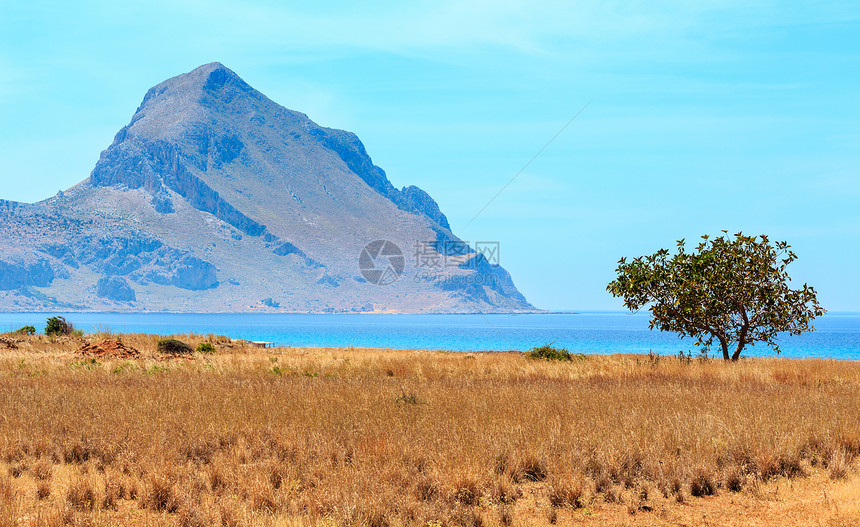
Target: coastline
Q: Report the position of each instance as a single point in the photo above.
(837, 335)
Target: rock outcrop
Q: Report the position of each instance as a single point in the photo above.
(115, 288)
(16, 275)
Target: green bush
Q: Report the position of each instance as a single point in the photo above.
(58, 326)
(174, 347)
(26, 330)
(205, 347)
(547, 352)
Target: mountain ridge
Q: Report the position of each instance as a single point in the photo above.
(209, 167)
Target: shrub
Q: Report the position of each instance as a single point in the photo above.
(26, 330)
(205, 347)
(58, 326)
(547, 352)
(174, 347)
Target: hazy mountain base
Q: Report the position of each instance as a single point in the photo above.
(214, 198)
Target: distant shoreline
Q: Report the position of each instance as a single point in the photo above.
(591, 332)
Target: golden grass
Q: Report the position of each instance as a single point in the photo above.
(383, 437)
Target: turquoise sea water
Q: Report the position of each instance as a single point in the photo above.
(837, 335)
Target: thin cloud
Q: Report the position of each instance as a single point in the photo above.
(525, 26)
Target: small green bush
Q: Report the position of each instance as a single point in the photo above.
(174, 347)
(205, 347)
(58, 326)
(26, 330)
(547, 352)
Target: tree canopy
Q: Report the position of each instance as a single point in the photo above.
(732, 290)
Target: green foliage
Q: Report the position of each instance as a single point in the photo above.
(26, 330)
(125, 366)
(731, 290)
(547, 352)
(205, 347)
(87, 364)
(174, 347)
(58, 326)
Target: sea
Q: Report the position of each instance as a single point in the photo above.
(836, 335)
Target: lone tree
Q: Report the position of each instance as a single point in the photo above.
(732, 290)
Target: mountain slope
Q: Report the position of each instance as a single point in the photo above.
(215, 198)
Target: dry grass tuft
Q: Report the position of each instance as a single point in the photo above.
(734, 480)
(159, 494)
(17, 469)
(839, 464)
(466, 492)
(43, 470)
(565, 493)
(530, 468)
(9, 507)
(193, 516)
(81, 495)
(43, 490)
(504, 490)
(702, 484)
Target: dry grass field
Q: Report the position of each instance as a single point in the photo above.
(249, 436)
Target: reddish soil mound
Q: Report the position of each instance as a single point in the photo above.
(8, 343)
(113, 349)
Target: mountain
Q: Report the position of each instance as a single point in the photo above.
(215, 198)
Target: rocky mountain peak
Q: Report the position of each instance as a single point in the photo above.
(213, 186)
(196, 130)
(210, 79)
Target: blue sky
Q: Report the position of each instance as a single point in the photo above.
(703, 116)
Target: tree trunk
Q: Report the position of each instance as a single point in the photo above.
(742, 336)
(725, 345)
(737, 354)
